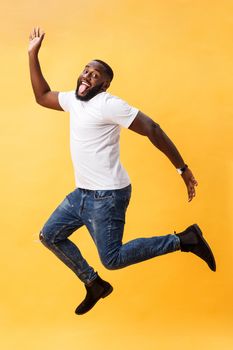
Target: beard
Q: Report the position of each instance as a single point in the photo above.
(90, 94)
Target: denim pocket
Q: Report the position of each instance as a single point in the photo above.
(103, 194)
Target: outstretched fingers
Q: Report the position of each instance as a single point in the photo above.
(35, 39)
(37, 32)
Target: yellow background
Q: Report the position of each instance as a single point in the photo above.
(173, 60)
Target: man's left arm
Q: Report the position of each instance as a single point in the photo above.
(145, 126)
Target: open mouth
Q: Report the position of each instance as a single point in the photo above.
(83, 87)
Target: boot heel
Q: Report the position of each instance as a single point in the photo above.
(108, 292)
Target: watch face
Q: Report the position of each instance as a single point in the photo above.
(181, 170)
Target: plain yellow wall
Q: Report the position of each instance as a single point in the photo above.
(173, 60)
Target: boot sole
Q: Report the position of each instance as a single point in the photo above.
(200, 234)
(107, 292)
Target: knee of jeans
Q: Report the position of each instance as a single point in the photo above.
(110, 263)
(44, 238)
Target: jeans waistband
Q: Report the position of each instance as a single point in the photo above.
(93, 191)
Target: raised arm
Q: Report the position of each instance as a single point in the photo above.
(145, 126)
(43, 94)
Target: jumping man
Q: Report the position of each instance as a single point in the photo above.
(103, 187)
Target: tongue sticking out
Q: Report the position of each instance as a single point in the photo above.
(82, 88)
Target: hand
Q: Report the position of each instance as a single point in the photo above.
(35, 40)
(190, 183)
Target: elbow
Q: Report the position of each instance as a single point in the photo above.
(156, 134)
(154, 129)
(40, 100)
(41, 97)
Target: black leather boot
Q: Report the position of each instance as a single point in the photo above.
(96, 290)
(192, 240)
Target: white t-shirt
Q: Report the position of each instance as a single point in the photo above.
(94, 139)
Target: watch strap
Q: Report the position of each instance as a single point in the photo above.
(182, 170)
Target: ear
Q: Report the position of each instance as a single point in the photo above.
(106, 84)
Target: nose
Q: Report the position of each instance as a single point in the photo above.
(86, 75)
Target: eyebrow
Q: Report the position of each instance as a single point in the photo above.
(94, 69)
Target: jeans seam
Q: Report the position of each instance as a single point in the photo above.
(57, 248)
(110, 223)
(61, 252)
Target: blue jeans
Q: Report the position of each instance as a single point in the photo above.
(103, 213)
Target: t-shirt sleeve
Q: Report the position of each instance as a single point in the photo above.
(64, 99)
(117, 111)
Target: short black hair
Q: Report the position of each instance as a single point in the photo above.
(108, 69)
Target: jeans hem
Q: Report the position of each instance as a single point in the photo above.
(176, 243)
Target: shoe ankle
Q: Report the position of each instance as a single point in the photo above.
(187, 239)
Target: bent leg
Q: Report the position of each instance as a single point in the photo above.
(61, 224)
(107, 225)
(138, 250)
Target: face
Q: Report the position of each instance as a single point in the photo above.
(92, 81)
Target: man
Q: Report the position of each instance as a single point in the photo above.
(103, 187)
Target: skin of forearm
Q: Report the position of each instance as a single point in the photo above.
(39, 84)
(160, 140)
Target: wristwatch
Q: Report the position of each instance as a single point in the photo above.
(182, 170)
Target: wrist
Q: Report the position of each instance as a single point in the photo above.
(33, 53)
(182, 169)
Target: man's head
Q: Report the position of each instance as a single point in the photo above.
(95, 78)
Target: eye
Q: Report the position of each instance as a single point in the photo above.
(95, 75)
